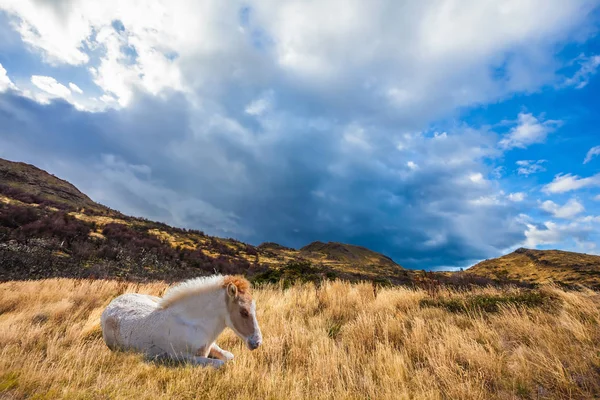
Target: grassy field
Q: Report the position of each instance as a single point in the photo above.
(334, 342)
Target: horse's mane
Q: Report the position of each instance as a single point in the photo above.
(242, 284)
(204, 284)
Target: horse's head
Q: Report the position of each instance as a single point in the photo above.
(241, 316)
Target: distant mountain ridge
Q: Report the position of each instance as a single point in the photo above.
(48, 228)
(346, 252)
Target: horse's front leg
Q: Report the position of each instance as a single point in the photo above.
(217, 352)
(205, 361)
(188, 358)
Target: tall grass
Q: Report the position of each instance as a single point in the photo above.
(337, 341)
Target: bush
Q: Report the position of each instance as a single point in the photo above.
(291, 273)
(30, 198)
(118, 232)
(136, 240)
(221, 248)
(16, 216)
(107, 252)
(251, 250)
(59, 225)
(83, 250)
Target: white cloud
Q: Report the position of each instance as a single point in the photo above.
(356, 138)
(528, 167)
(524, 219)
(587, 247)
(41, 27)
(257, 107)
(61, 32)
(594, 151)
(536, 236)
(498, 171)
(418, 60)
(517, 197)
(568, 211)
(51, 86)
(588, 67)
(567, 182)
(529, 130)
(401, 97)
(553, 233)
(261, 105)
(442, 31)
(436, 239)
(108, 99)
(597, 197)
(477, 178)
(412, 165)
(5, 82)
(75, 88)
(499, 198)
(590, 219)
(120, 76)
(489, 200)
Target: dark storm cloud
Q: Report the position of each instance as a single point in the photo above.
(280, 179)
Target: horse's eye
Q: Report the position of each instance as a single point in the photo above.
(244, 313)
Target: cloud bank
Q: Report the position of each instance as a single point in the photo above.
(273, 121)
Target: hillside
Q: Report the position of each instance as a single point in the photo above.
(48, 228)
(29, 184)
(542, 266)
(343, 255)
(345, 259)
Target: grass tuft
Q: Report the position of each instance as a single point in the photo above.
(493, 303)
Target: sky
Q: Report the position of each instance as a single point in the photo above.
(438, 132)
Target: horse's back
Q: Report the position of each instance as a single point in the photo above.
(125, 315)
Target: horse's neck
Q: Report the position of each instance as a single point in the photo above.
(206, 309)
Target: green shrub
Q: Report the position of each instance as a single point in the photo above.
(493, 303)
(291, 273)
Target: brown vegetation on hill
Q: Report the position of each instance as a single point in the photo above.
(29, 184)
(543, 266)
(351, 257)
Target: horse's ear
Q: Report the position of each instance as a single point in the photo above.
(232, 290)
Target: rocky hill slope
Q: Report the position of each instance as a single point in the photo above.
(29, 184)
(49, 228)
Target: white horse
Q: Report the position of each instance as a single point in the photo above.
(185, 322)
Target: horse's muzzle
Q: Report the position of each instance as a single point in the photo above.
(254, 342)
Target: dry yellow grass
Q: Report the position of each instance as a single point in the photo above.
(98, 219)
(339, 341)
(185, 242)
(8, 200)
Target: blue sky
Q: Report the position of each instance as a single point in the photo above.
(439, 133)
